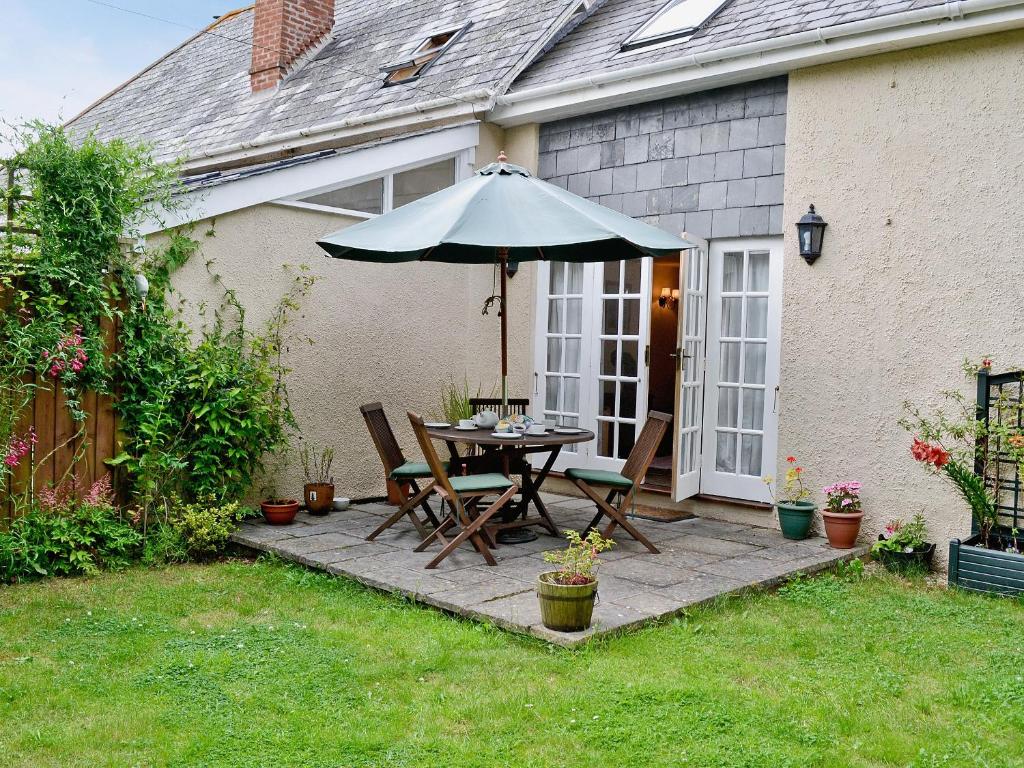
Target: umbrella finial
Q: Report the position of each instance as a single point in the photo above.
(502, 157)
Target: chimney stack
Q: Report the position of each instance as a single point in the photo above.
(282, 30)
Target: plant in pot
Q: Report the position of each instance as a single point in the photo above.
(567, 595)
(277, 510)
(902, 547)
(792, 502)
(842, 514)
(319, 487)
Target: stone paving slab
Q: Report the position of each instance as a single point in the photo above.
(700, 560)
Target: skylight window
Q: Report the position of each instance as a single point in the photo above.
(678, 18)
(422, 57)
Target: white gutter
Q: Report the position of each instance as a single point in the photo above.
(375, 124)
(750, 61)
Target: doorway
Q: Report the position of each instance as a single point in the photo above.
(663, 362)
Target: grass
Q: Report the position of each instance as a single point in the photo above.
(263, 664)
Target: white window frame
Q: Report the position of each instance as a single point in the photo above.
(640, 40)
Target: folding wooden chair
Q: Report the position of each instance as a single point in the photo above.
(401, 471)
(625, 482)
(463, 494)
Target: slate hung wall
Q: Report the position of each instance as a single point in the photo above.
(709, 163)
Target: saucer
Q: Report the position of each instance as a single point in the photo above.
(465, 429)
(506, 435)
(436, 424)
(568, 431)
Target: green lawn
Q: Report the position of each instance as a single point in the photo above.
(261, 664)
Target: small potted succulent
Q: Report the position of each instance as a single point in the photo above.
(792, 502)
(842, 514)
(319, 487)
(567, 595)
(902, 547)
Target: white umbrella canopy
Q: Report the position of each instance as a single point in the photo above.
(502, 213)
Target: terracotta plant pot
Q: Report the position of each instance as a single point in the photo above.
(841, 529)
(565, 608)
(279, 511)
(319, 497)
(795, 518)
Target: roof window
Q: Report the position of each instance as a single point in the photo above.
(677, 18)
(422, 57)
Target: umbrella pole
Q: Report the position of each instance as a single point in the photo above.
(503, 266)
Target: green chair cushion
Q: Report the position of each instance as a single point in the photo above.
(491, 481)
(413, 469)
(599, 477)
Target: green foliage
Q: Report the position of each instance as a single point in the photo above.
(455, 398)
(317, 466)
(206, 526)
(577, 563)
(79, 540)
(902, 537)
(164, 545)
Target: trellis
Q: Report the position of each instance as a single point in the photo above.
(999, 401)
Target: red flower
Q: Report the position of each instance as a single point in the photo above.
(927, 453)
(791, 459)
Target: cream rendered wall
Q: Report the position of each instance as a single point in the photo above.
(393, 333)
(915, 161)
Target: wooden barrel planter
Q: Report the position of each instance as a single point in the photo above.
(565, 607)
(977, 569)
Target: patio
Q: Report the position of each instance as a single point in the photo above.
(700, 560)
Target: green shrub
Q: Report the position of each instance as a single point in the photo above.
(206, 526)
(164, 545)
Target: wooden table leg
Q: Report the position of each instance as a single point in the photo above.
(531, 490)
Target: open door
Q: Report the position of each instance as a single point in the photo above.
(690, 353)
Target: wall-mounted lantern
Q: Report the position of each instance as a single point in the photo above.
(810, 232)
(668, 298)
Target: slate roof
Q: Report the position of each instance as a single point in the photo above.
(198, 98)
(591, 48)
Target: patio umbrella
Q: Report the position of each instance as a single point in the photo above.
(499, 215)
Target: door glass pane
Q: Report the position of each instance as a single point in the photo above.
(605, 436)
(367, 197)
(610, 325)
(554, 354)
(732, 317)
(757, 277)
(629, 358)
(571, 361)
(556, 280)
(728, 406)
(725, 452)
(630, 317)
(730, 367)
(757, 317)
(612, 270)
(732, 272)
(608, 357)
(627, 436)
(607, 405)
(631, 283)
(555, 320)
(571, 394)
(419, 182)
(575, 278)
(754, 358)
(750, 455)
(627, 400)
(753, 409)
(574, 315)
(551, 393)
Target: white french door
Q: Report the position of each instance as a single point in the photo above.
(741, 382)
(689, 411)
(593, 323)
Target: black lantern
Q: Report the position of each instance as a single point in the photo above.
(810, 231)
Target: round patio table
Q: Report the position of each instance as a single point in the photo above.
(512, 454)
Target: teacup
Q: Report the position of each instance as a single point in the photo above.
(467, 424)
(536, 429)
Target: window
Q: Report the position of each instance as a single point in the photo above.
(422, 57)
(679, 18)
(388, 192)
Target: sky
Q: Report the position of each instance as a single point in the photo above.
(58, 56)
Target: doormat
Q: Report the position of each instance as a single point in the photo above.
(660, 514)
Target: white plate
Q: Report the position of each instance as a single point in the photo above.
(505, 435)
(436, 424)
(465, 429)
(568, 431)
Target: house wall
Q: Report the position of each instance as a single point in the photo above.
(393, 333)
(710, 163)
(914, 159)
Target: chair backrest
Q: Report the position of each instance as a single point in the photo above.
(430, 454)
(517, 405)
(382, 436)
(646, 446)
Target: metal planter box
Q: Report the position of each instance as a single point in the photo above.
(984, 570)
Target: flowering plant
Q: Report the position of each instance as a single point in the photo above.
(20, 447)
(902, 537)
(793, 489)
(68, 357)
(578, 562)
(843, 498)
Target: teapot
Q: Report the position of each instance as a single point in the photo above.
(486, 419)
